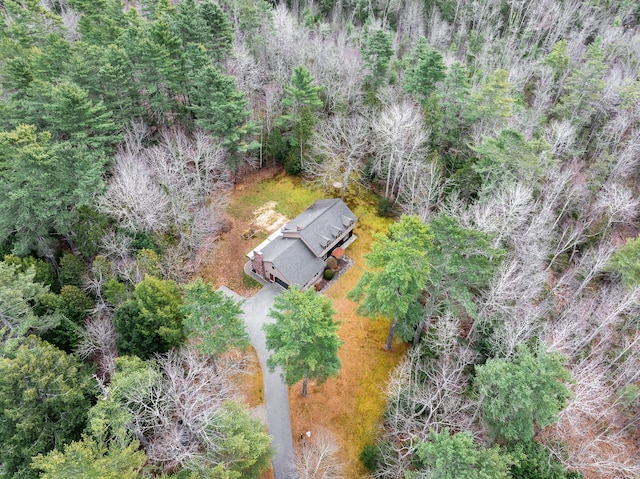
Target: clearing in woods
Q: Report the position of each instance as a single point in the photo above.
(351, 405)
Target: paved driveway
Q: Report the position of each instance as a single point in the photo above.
(276, 396)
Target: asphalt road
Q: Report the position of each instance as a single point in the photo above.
(276, 396)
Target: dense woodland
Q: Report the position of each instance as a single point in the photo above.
(502, 135)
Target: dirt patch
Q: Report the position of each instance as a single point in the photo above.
(267, 219)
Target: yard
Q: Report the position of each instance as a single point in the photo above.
(349, 406)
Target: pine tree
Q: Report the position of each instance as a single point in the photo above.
(377, 52)
(212, 319)
(522, 394)
(304, 338)
(39, 191)
(396, 275)
(44, 398)
(152, 321)
(425, 68)
(301, 99)
(455, 456)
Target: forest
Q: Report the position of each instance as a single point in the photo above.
(500, 137)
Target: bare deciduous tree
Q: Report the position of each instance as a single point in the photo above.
(171, 403)
(425, 393)
(399, 138)
(341, 144)
(98, 342)
(318, 457)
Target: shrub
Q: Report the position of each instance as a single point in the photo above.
(249, 282)
(328, 274)
(370, 456)
(386, 208)
(332, 262)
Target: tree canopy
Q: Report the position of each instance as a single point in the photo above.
(522, 394)
(45, 394)
(304, 339)
(398, 265)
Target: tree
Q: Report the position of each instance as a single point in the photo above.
(626, 262)
(425, 68)
(300, 102)
(519, 395)
(152, 321)
(492, 104)
(343, 143)
(91, 458)
(317, 458)
(71, 307)
(213, 319)
(398, 265)
(455, 456)
(18, 293)
(244, 446)
(462, 263)
(453, 100)
(304, 338)
(534, 461)
(218, 28)
(173, 405)
(377, 52)
(39, 191)
(220, 108)
(583, 87)
(399, 140)
(509, 158)
(44, 398)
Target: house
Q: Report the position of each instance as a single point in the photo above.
(296, 253)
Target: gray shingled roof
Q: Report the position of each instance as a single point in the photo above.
(322, 222)
(292, 257)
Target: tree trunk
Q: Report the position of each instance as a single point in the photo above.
(304, 384)
(418, 335)
(387, 346)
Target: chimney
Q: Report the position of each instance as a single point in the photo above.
(258, 263)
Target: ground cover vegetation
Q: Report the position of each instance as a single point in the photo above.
(501, 137)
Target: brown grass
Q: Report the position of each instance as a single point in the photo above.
(351, 405)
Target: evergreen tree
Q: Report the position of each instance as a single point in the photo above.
(40, 189)
(462, 264)
(18, 293)
(377, 52)
(455, 456)
(522, 394)
(44, 398)
(301, 99)
(626, 262)
(91, 459)
(493, 103)
(221, 109)
(152, 321)
(212, 319)
(425, 68)
(398, 265)
(303, 339)
(244, 447)
(583, 87)
(218, 32)
(510, 158)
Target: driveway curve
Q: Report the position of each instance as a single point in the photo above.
(256, 310)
